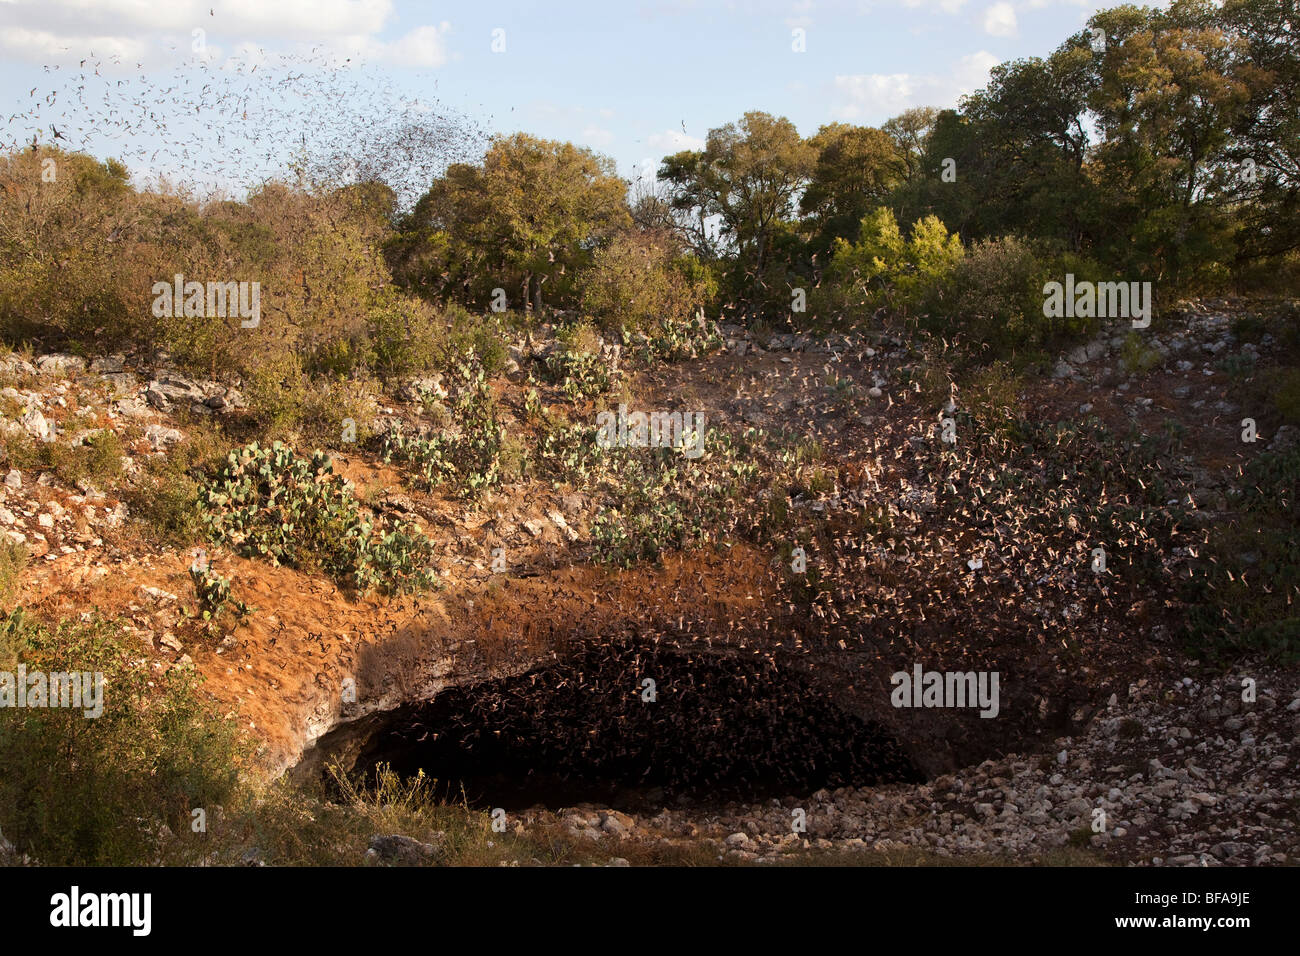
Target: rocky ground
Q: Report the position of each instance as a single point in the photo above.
(1183, 774)
(1184, 770)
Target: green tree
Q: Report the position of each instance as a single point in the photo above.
(856, 168)
(749, 175)
(528, 215)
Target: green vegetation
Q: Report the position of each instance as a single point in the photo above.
(1241, 600)
(272, 503)
(95, 460)
(100, 791)
(468, 460)
(13, 558)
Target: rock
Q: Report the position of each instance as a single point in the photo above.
(616, 824)
(156, 398)
(109, 365)
(398, 850)
(13, 365)
(418, 389)
(122, 382)
(59, 363)
(252, 857)
(132, 408)
(1285, 438)
(14, 479)
(558, 520)
(34, 424)
(45, 520)
(160, 437)
(737, 840)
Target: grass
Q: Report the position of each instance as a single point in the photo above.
(13, 559)
(96, 461)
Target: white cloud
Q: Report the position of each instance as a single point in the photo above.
(595, 136)
(673, 141)
(1000, 20)
(45, 30)
(874, 97)
(947, 6)
(40, 45)
(283, 19)
(422, 47)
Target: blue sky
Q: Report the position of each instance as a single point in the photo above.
(635, 80)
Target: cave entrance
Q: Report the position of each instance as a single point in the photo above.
(591, 728)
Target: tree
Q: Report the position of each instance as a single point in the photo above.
(910, 130)
(855, 169)
(530, 212)
(749, 175)
(1166, 104)
(1265, 157)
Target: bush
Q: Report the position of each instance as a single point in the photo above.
(96, 460)
(13, 558)
(404, 335)
(272, 503)
(1230, 615)
(996, 299)
(578, 364)
(889, 271)
(99, 791)
(476, 335)
(633, 284)
(165, 499)
(467, 459)
(1284, 389)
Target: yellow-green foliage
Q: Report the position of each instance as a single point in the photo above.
(896, 272)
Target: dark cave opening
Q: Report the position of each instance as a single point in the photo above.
(588, 728)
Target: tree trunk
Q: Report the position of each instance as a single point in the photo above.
(537, 296)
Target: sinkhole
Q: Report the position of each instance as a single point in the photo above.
(590, 728)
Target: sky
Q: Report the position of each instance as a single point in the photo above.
(634, 80)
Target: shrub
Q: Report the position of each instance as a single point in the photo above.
(1137, 357)
(275, 504)
(95, 460)
(13, 558)
(404, 335)
(890, 271)
(165, 499)
(996, 299)
(213, 593)
(467, 459)
(1284, 389)
(578, 364)
(633, 284)
(479, 336)
(85, 792)
(1230, 615)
